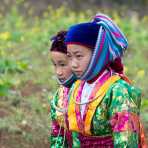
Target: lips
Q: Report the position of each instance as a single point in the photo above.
(78, 73)
(62, 79)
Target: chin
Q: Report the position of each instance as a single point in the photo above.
(78, 75)
(62, 80)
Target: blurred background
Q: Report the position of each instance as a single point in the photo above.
(27, 79)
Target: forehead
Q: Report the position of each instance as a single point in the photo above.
(74, 48)
(58, 56)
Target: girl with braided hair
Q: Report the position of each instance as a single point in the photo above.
(60, 135)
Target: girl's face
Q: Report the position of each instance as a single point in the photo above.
(61, 65)
(79, 57)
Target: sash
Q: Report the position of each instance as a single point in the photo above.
(76, 123)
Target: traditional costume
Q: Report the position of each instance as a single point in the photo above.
(60, 135)
(103, 107)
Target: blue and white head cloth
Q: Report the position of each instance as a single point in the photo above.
(68, 83)
(110, 43)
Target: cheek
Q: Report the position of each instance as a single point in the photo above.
(85, 62)
(67, 71)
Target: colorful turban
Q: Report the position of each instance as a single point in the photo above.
(110, 43)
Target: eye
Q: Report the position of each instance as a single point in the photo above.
(68, 55)
(63, 64)
(79, 56)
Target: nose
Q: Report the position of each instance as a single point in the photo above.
(59, 72)
(74, 64)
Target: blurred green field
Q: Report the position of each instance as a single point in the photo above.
(26, 73)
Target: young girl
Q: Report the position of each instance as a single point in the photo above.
(60, 136)
(104, 107)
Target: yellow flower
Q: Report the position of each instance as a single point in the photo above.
(1, 82)
(125, 69)
(24, 122)
(45, 14)
(44, 105)
(140, 73)
(5, 36)
(117, 17)
(30, 12)
(36, 30)
(145, 19)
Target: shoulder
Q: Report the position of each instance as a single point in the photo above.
(120, 86)
(122, 92)
(124, 88)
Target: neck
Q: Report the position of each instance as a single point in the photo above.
(96, 77)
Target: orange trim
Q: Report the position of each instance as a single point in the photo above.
(71, 109)
(93, 105)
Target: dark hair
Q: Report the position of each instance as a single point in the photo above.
(117, 65)
(58, 42)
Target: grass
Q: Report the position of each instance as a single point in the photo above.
(27, 79)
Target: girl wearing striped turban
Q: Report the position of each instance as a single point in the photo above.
(104, 107)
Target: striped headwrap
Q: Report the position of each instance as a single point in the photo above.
(110, 44)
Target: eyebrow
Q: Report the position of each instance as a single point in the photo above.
(61, 61)
(77, 52)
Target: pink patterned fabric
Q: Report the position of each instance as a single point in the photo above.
(68, 133)
(96, 142)
(80, 120)
(56, 128)
(55, 132)
(77, 108)
(125, 121)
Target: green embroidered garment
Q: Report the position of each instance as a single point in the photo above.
(117, 115)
